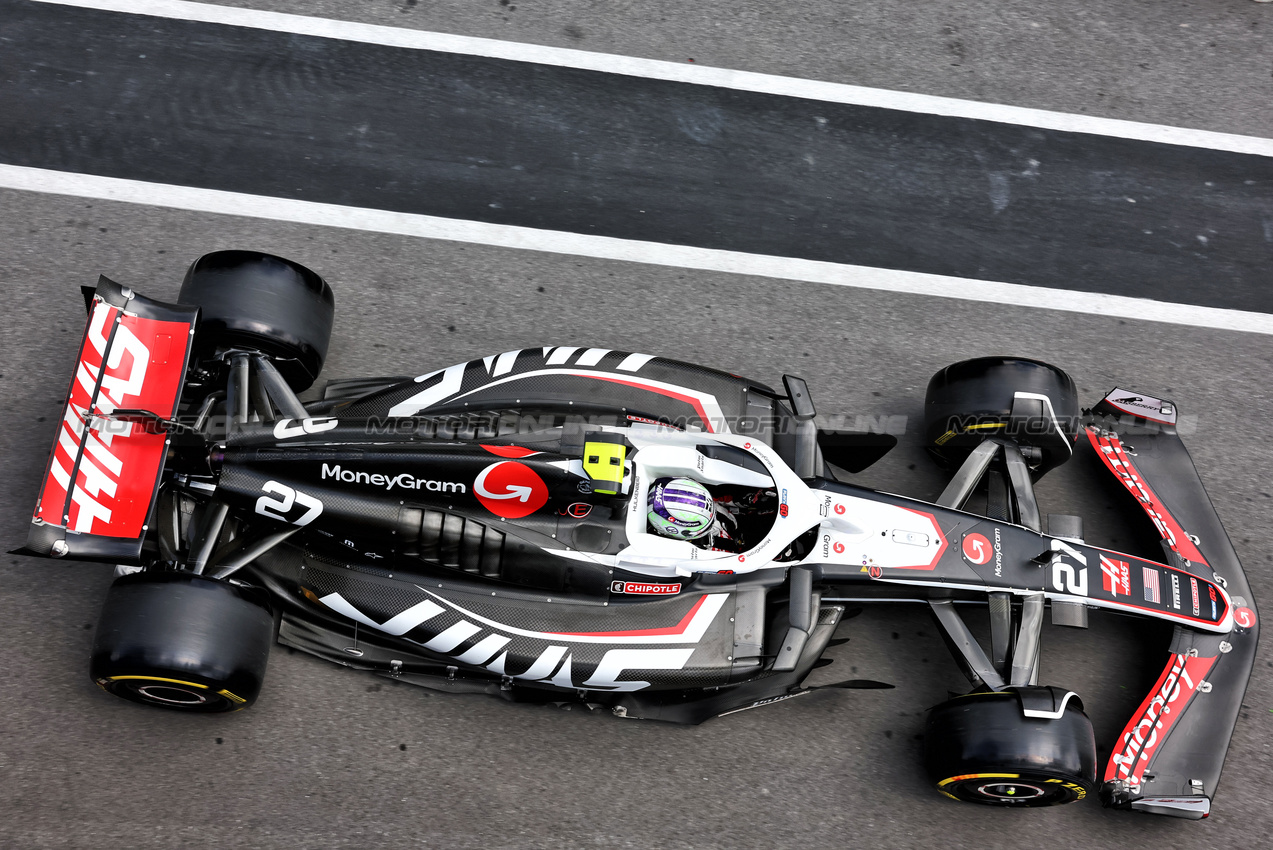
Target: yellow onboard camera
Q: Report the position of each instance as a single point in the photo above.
(603, 457)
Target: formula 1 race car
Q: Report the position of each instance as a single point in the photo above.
(484, 528)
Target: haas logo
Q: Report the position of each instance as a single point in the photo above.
(100, 470)
(510, 489)
(977, 548)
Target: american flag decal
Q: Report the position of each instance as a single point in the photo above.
(1151, 585)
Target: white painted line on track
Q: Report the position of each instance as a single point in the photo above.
(608, 248)
(677, 72)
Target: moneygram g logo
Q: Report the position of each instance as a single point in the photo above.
(977, 548)
(510, 489)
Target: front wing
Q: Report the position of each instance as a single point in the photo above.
(1169, 756)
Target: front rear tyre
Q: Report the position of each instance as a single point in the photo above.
(972, 400)
(264, 303)
(182, 641)
(981, 748)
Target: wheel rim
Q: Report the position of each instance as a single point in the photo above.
(1010, 791)
(162, 692)
(170, 695)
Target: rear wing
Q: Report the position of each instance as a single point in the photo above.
(1169, 756)
(103, 471)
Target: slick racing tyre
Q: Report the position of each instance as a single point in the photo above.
(971, 400)
(980, 748)
(182, 641)
(262, 302)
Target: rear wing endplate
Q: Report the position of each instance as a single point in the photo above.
(102, 475)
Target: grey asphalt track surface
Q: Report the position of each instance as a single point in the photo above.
(1189, 63)
(334, 758)
(563, 149)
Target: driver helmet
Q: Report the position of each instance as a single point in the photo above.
(681, 508)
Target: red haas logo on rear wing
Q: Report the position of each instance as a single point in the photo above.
(102, 472)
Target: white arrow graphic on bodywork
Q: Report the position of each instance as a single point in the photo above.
(400, 624)
(515, 491)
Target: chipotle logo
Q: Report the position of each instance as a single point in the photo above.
(644, 588)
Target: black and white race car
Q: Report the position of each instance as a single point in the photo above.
(483, 528)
